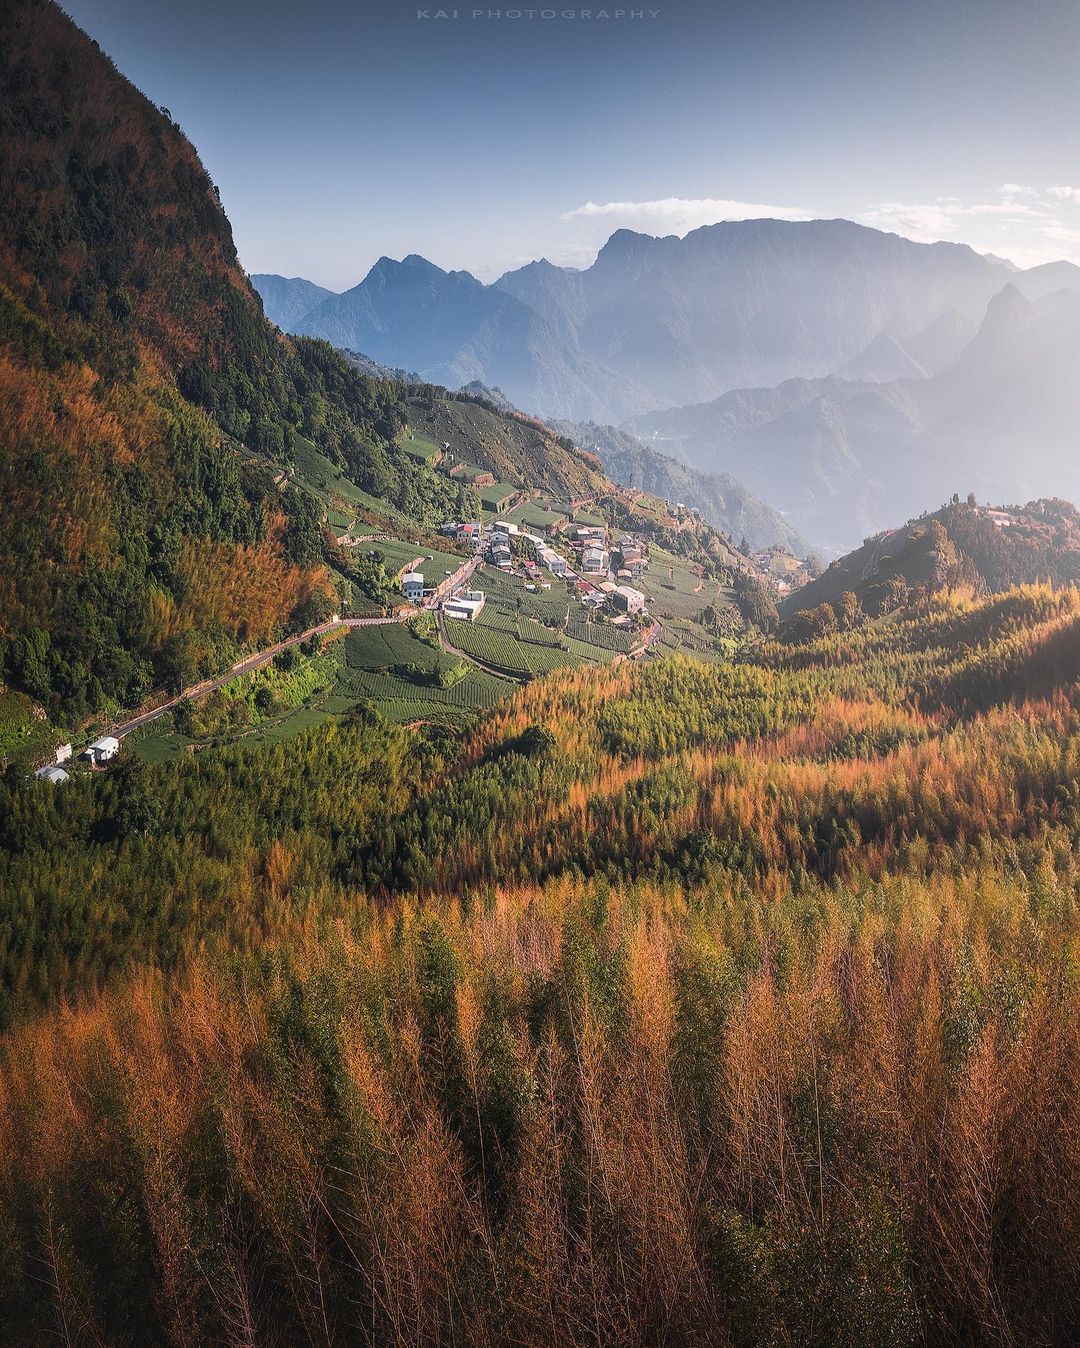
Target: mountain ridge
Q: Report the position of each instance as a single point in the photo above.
(985, 549)
(656, 322)
(839, 455)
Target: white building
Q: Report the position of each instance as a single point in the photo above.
(103, 750)
(63, 753)
(551, 559)
(594, 560)
(412, 585)
(630, 600)
(53, 774)
(464, 608)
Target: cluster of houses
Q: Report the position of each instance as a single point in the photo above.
(779, 571)
(96, 755)
(470, 532)
(602, 570)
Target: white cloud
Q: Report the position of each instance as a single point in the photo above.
(1059, 231)
(941, 219)
(1019, 223)
(679, 215)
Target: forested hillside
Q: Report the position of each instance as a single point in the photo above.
(734, 1004)
(134, 359)
(170, 464)
(964, 543)
(546, 989)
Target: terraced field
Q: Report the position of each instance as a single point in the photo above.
(390, 644)
(376, 658)
(690, 638)
(417, 447)
(493, 498)
(537, 515)
(399, 700)
(399, 552)
(614, 639)
(672, 587)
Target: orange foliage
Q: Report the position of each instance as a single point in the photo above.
(247, 590)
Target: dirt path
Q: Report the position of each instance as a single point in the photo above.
(449, 647)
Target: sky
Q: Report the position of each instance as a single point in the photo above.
(482, 137)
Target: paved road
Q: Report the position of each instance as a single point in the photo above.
(460, 576)
(250, 663)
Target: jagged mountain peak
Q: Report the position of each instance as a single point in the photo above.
(1008, 311)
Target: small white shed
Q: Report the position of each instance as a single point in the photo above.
(102, 750)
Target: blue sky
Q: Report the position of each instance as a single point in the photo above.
(338, 132)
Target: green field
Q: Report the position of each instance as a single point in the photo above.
(398, 553)
(419, 448)
(376, 658)
(390, 644)
(613, 639)
(506, 649)
(493, 497)
(537, 515)
(676, 595)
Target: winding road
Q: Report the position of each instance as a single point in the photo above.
(260, 658)
(245, 666)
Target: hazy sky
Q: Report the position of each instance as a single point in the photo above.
(340, 130)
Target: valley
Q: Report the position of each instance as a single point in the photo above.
(470, 874)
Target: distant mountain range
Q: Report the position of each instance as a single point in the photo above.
(452, 330)
(286, 299)
(659, 322)
(722, 500)
(841, 457)
(837, 372)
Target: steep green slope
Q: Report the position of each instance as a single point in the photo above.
(133, 352)
(514, 448)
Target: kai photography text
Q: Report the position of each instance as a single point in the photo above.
(543, 15)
